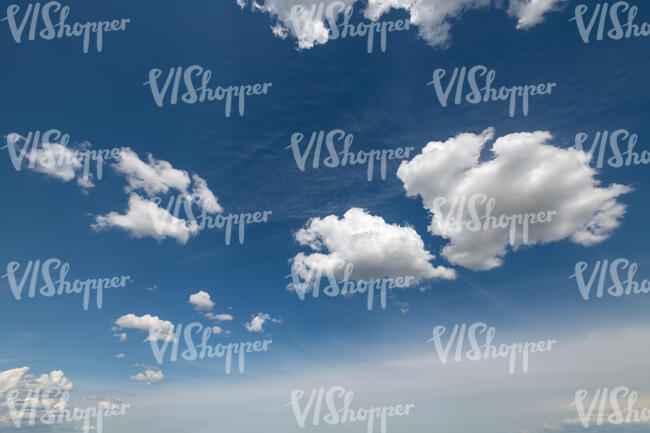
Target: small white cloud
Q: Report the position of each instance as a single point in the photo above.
(257, 322)
(219, 317)
(201, 300)
(150, 375)
(120, 355)
(216, 330)
(121, 336)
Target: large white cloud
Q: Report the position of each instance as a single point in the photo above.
(433, 18)
(157, 328)
(145, 218)
(375, 249)
(526, 175)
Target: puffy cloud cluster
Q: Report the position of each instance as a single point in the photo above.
(374, 248)
(144, 217)
(157, 328)
(434, 18)
(149, 375)
(525, 175)
(23, 395)
(257, 322)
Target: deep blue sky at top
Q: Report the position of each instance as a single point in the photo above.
(381, 98)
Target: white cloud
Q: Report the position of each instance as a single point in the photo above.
(52, 159)
(201, 300)
(219, 317)
(120, 355)
(529, 13)
(150, 375)
(375, 249)
(35, 392)
(216, 330)
(154, 177)
(257, 322)
(121, 336)
(203, 196)
(157, 328)
(433, 18)
(145, 218)
(526, 175)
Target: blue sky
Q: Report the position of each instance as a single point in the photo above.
(381, 98)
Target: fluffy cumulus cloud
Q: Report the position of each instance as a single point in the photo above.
(157, 328)
(309, 21)
(148, 375)
(144, 218)
(154, 176)
(52, 159)
(526, 175)
(23, 395)
(257, 322)
(201, 300)
(366, 247)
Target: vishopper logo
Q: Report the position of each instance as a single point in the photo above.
(48, 152)
(306, 279)
(53, 16)
(486, 93)
(62, 285)
(616, 398)
(202, 93)
(345, 156)
(617, 14)
(49, 406)
(301, 20)
(614, 270)
(334, 398)
(616, 141)
(202, 350)
(477, 351)
(474, 213)
(170, 221)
